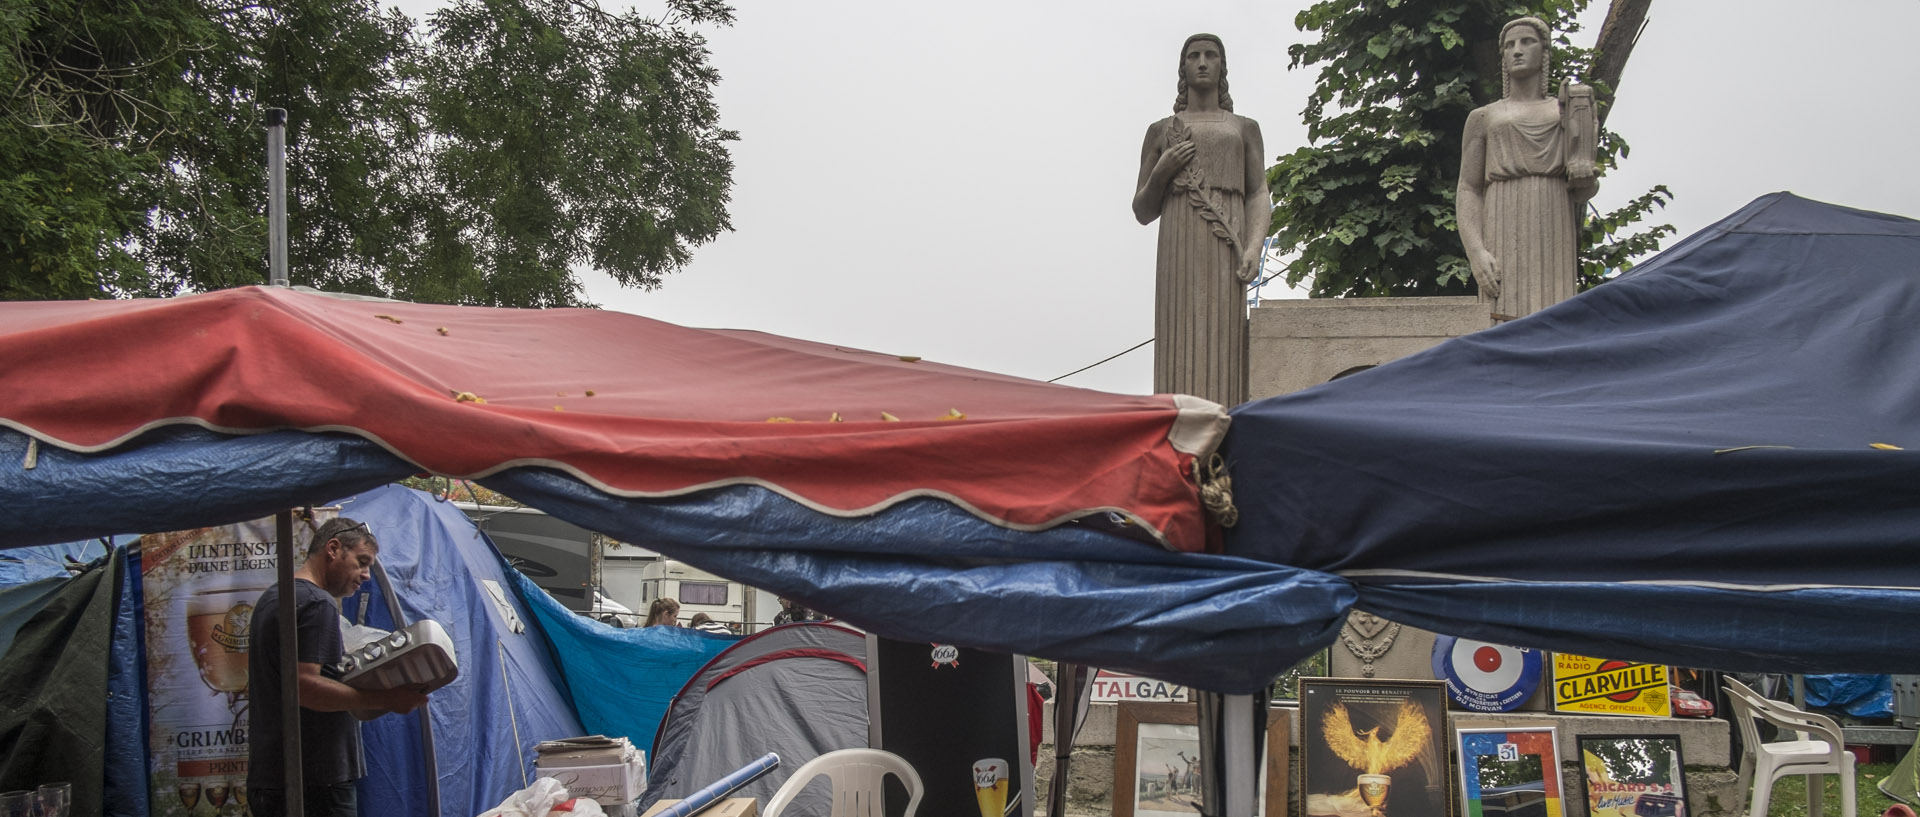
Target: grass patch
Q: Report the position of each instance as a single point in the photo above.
(1790, 793)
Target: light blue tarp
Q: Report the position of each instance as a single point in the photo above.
(622, 680)
(508, 696)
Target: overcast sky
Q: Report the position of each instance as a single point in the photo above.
(953, 180)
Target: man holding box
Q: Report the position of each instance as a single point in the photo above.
(340, 559)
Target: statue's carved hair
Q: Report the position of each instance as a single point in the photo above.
(1546, 53)
(1180, 70)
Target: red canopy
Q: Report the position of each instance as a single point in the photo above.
(632, 406)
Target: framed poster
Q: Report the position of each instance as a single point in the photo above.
(1156, 761)
(1598, 686)
(1371, 744)
(1509, 772)
(1633, 775)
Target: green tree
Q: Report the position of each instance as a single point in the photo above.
(1366, 208)
(479, 160)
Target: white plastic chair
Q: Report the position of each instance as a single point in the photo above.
(1817, 748)
(859, 777)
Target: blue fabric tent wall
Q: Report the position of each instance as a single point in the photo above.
(622, 680)
(508, 696)
(1678, 466)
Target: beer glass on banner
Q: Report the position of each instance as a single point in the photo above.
(217, 795)
(219, 629)
(990, 786)
(240, 797)
(189, 791)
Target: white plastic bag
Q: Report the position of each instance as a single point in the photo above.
(545, 798)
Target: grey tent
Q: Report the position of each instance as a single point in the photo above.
(799, 691)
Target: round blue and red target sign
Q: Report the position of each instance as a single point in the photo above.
(1486, 677)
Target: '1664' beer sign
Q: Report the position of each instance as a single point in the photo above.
(1115, 688)
(201, 586)
(1602, 686)
(990, 786)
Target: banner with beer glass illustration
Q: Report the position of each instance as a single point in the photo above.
(200, 588)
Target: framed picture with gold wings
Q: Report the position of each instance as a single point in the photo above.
(1373, 747)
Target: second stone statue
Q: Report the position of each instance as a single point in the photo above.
(1526, 173)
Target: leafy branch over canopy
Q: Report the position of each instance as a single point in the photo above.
(479, 161)
(1366, 208)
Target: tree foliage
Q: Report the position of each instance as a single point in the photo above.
(480, 159)
(1366, 208)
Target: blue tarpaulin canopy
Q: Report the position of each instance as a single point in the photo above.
(1677, 465)
(1713, 460)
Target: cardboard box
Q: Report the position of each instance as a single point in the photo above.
(611, 785)
(588, 750)
(730, 807)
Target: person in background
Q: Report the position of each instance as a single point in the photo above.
(792, 611)
(339, 560)
(705, 623)
(663, 613)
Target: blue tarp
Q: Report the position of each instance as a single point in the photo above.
(922, 569)
(1678, 466)
(508, 696)
(1862, 696)
(622, 681)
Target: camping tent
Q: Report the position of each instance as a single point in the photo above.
(508, 696)
(799, 691)
(1705, 462)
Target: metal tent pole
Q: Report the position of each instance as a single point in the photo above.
(1232, 740)
(426, 714)
(277, 196)
(1067, 706)
(289, 670)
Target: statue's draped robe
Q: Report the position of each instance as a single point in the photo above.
(1200, 313)
(1528, 216)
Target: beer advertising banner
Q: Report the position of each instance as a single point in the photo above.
(200, 588)
(1598, 686)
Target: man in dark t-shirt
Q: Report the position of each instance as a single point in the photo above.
(338, 562)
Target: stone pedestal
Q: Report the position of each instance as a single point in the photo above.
(1295, 344)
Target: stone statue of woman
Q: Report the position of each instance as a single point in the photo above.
(1203, 175)
(1526, 173)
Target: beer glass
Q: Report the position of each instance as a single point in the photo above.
(56, 799)
(218, 629)
(16, 804)
(217, 795)
(189, 792)
(240, 796)
(990, 786)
